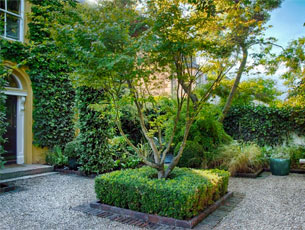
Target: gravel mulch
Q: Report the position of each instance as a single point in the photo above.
(269, 202)
(47, 202)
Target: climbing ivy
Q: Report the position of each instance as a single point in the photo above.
(53, 103)
(95, 131)
(3, 124)
(265, 125)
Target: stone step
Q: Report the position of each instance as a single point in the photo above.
(16, 171)
(27, 177)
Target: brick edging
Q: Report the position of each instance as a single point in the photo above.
(156, 219)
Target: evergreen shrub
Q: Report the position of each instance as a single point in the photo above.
(184, 195)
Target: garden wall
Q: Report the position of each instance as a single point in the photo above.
(266, 125)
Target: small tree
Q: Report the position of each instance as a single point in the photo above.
(247, 23)
(125, 51)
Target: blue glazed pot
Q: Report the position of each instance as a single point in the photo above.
(279, 167)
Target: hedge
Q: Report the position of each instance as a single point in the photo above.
(184, 195)
(264, 125)
(95, 156)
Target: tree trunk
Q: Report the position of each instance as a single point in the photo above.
(236, 83)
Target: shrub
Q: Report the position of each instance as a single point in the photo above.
(240, 157)
(72, 148)
(205, 131)
(292, 152)
(72, 152)
(56, 157)
(264, 125)
(296, 153)
(2, 161)
(192, 156)
(96, 128)
(124, 155)
(185, 194)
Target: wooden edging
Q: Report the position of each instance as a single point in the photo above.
(249, 175)
(156, 219)
(299, 171)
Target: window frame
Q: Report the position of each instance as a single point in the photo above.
(19, 16)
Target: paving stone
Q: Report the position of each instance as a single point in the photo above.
(220, 213)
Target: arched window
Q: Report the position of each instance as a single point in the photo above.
(12, 82)
(11, 19)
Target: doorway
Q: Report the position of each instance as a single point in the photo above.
(11, 135)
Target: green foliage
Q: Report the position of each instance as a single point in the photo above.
(280, 152)
(185, 194)
(296, 152)
(206, 132)
(56, 157)
(240, 157)
(292, 152)
(72, 148)
(264, 125)
(53, 93)
(293, 57)
(192, 156)
(3, 123)
(124, 156)
(95, 156)
(53, 114)
(257, 89)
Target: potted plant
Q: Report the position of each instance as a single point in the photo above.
(280, 161)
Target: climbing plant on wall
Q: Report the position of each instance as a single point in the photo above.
(53, 112)
(3, 124)
(265, 125)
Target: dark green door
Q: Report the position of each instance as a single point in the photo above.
(11, 135)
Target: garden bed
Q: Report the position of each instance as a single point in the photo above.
(250, 175)
(74, 172)
(299, 171)
(185, 195)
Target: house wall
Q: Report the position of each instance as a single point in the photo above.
(32, 154)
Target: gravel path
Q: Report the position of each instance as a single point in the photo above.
(46, 203)
(271, 202)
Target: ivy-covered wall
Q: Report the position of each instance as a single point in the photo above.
(53, 104)
(2, 120)
(265, 125)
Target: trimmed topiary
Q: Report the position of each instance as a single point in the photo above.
(184, 195)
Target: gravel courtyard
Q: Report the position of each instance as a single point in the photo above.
(270, 202)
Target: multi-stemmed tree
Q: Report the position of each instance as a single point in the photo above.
(125, 49)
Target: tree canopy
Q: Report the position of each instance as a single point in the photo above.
(123, 49)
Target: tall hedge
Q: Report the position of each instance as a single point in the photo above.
(264, 125)
(95, 155)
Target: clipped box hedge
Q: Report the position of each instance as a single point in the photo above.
(183, 196)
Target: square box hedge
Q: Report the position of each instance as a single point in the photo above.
(184, 195)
